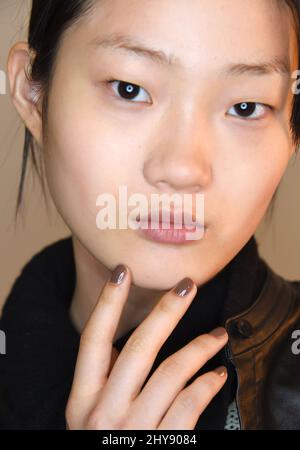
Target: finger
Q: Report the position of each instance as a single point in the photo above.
(140, 350)
(114, 356)
(172, 375)
(96, 353)
(192, 401)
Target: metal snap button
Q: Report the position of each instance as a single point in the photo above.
(244, 328)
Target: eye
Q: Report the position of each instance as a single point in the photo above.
(129, 91)
(249, 110)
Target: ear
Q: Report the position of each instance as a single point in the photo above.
(23, 91)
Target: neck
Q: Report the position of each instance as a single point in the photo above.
(91, 277)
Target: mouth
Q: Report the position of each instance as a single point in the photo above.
(175, 220)
(171, 228)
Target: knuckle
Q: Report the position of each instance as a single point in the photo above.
(70, 414)
(95, 421)
(170, 367)
(167, 306)
(105, 297)
(211, 382)
(85, 340)
(188, 401)
(88, 338)
(206, 343)
(136, 343)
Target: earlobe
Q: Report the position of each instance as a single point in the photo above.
(24, 93)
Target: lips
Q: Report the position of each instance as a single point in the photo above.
(173, 218)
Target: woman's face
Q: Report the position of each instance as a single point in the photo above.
(182, 132)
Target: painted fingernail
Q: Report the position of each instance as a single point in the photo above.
(118, 274)
(222, 371)
(184, 287)
(219, 332)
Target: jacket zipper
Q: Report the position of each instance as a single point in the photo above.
(228, 357)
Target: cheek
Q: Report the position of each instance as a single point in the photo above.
(83, 160)
(249, 177)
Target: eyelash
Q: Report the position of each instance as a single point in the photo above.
(251, 103)
(111, 81)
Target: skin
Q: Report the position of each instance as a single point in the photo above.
(182, 137)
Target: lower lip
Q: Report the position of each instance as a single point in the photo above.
(171, 235)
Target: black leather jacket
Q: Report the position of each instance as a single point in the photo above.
(266, 355)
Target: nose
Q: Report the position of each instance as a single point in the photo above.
(181, 160)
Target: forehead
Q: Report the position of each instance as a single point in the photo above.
(196, 32)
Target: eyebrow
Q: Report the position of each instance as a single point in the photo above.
(131, 45)
(275, 65)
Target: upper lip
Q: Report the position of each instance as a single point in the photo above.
(169, 217)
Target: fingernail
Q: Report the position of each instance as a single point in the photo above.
(219, 332)
(118, 274)
(184, 287)
(222, 371)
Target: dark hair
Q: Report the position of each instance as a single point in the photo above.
(48, 22)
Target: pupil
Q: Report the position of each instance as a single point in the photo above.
(245, 109)
(128, 90)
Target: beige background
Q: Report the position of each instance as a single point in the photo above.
(279, 241)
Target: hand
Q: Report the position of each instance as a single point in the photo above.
(106, 391)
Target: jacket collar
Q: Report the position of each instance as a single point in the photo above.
(253, 326)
